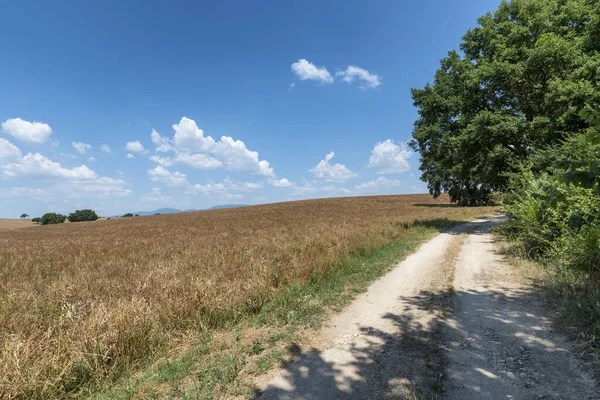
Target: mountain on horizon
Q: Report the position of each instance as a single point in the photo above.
(175, 210)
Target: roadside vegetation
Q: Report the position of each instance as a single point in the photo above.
(87, 306)
(514, 113)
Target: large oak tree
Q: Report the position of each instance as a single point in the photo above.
(517, 85)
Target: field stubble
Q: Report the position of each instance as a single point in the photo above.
(81, 304)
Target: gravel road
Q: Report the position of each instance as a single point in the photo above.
(419, 332)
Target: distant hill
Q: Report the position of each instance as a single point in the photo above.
(159, 211)
(175, 210)
(228, 206)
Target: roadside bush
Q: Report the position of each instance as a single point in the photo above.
(555, 220)
(83, 215)
(52, 218)
(36, 220)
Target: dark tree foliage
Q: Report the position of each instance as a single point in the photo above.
(36, 220)
(517, 86)
(52, 218)
(128, 215)
(83, 215)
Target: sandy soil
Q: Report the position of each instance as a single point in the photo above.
(419, 333)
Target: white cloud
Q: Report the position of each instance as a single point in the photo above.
(198, 160)
(105, 148)
(156, 196)
(378, 185)
(81, 147)
(129, 155)
(163, 161)
(236, 157)
(242, 186)
(352, 72)
(161, 174)
(193, 148)
(135, 147)
(8, 151)
(188, 137)
(260, 199)
(92, 159)
(210, 188)
(67, 183)
(25, 131)
(331, 173)
(283, 183)
(390, 158)
(301, 191)
(162, 144)
(37, 165)
(308, 71)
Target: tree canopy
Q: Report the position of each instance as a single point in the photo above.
(517, 86)
(52, 218)
(82, 215)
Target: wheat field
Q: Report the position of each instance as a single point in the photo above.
(82, 303)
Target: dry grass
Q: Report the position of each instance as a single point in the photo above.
(10, 224)
(82, 303)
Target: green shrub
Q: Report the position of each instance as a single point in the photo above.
(52, 218)
(128, 215)
(36, 220)
(555, 213)
(83, 215)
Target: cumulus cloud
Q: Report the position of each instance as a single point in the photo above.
(283, 183)
(378, 185)
(135, 147)
(156, 196)
(105, 148)
(81, 147)
(162, 161)
(331, 173)
(198, 160)
(129, 155)
(161, 174)
(67, 183)
(308, 71)
(368, 80)
(390, 158)
(8, 151)
(193, 148)
(162, 143)
(37, 165)
(210, 188)
(28, 132)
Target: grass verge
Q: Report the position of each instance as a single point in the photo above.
(573, 298)
(223, 363)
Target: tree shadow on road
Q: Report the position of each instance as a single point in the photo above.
(506, 351)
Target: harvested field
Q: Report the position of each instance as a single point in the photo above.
(81, 304)
(9, 224)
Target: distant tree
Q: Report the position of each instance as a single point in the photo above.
(157, 214)
(83, 215)
(127, 215)
(52, 218)
(136, 215)
(23, 216)
(36, 220)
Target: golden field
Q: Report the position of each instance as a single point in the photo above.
(9, 224)
(81, 303)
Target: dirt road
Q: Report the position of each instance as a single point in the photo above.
(452, 321)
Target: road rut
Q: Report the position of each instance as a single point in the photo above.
(416, 333)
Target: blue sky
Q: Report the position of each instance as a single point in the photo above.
(135, 105)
